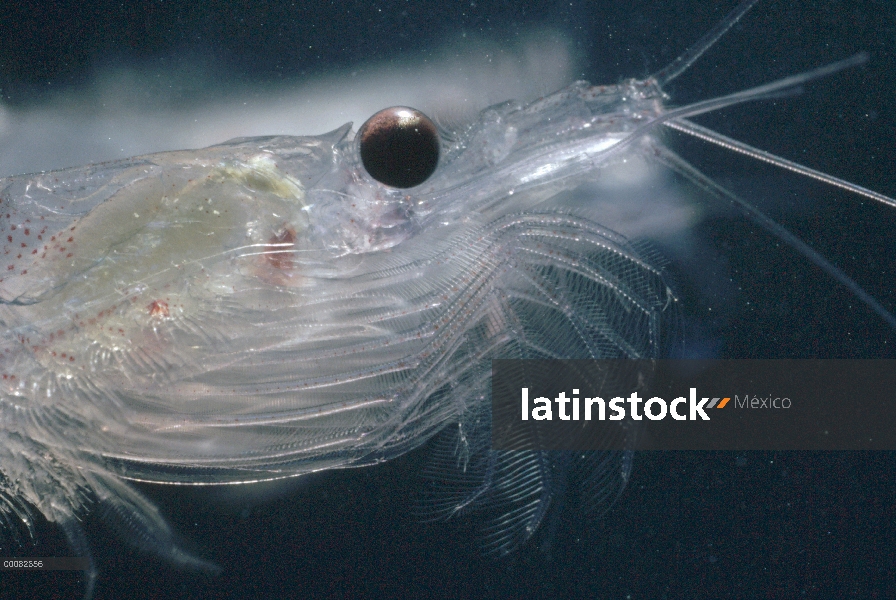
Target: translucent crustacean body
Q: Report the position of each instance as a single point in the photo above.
(263, 309)
(258, 310)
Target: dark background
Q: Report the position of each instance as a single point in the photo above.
(690, 524)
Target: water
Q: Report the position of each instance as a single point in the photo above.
(756, 325)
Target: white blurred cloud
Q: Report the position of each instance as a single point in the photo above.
(128, 111)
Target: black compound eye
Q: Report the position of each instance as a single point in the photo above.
(399, 146)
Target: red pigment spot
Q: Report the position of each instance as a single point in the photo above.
(40, 237)
(9, 237)
(71, 359)
(27, 231)
(71, 239)
(158, 308)
(279, 253)
(24, 245)
(12, 227)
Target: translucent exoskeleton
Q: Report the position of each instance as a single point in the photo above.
(264, 309)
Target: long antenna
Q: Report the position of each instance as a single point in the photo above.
(683, 62)
(713, 137)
